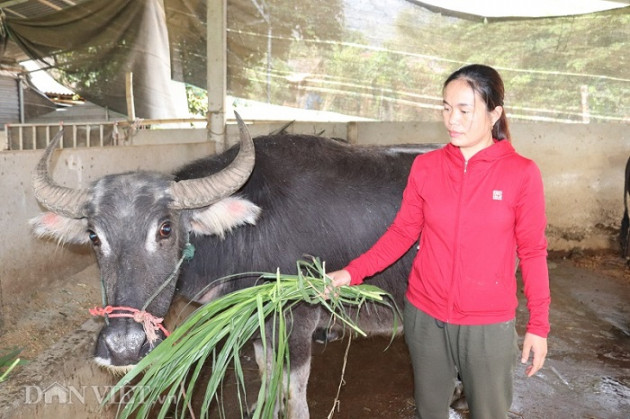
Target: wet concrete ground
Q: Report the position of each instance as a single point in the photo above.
(587, 374)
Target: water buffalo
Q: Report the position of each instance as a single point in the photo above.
(304, 195)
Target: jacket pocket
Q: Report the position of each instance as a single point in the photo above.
(490, 295)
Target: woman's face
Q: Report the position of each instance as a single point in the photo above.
(467, 119)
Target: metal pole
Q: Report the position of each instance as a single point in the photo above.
(268, 61)
(216, 58)
(21, 98)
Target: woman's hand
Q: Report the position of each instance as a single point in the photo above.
(537, 345)
(339, 279)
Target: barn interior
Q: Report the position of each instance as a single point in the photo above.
(152, 84)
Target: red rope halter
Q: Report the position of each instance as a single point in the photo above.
(150, 323)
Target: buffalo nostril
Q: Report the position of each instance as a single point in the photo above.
(122, 343)
(148, 346)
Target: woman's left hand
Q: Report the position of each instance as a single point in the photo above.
(537, 345)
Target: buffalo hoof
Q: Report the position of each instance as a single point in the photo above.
(458, 402)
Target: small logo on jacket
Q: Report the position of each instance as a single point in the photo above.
(497, 195)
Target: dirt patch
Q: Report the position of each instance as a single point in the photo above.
(48, 313)
(605, 262)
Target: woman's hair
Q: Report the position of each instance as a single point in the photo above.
(487, 82)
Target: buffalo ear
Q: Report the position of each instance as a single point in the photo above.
(60, 228)
(223, 216)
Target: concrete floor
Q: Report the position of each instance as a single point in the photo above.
(586, 375)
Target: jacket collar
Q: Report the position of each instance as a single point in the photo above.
(496, 151)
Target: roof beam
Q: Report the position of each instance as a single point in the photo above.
(21, 16)
(49, 4)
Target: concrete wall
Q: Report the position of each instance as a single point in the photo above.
(582, 167)
(583, 173)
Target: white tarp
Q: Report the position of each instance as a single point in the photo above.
(530, 8)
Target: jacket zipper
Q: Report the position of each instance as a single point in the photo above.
(451, 296)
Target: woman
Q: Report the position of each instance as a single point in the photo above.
(474, 205)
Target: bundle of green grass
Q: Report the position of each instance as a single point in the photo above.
(217, 332)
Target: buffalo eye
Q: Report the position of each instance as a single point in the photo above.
(165, 230)
(94, 238)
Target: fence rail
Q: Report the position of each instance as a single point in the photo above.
(84, 134)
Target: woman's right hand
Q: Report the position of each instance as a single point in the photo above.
(340, 278)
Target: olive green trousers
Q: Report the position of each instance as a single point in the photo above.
(484, 357)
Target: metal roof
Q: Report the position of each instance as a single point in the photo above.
(35, 8)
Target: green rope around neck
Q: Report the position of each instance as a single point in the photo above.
(187, 254)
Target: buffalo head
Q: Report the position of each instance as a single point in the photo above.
(138, 224)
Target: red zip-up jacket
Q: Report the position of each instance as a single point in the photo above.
(472, 219)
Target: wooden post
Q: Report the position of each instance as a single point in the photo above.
(216, 59)
(131, 108)
(352, 132)
(586, 114)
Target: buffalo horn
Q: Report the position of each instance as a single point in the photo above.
(198, 193)
(56, 198)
